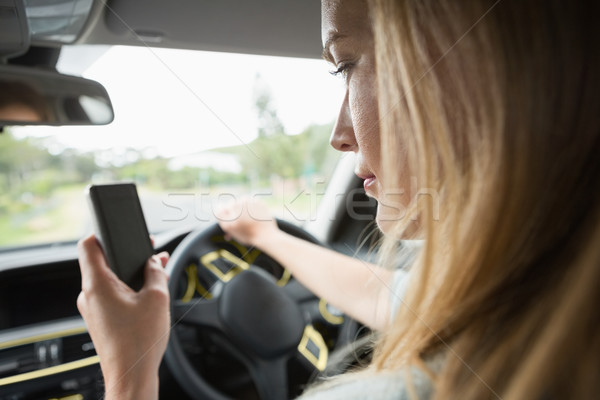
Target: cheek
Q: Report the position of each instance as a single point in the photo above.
(365, 115)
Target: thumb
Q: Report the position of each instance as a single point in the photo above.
(92, 263)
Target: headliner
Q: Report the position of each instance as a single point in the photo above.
(268, 27)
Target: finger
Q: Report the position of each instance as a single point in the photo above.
(154, 275)
(92, 262)
(258, 211)
(230, 212)
(224, 225)
(81, 304)
(163, 256)
(223, 213)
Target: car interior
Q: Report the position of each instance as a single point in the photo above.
(223, 342)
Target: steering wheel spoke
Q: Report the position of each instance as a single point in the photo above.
(297, 292)
(271, 378)
(199, 312)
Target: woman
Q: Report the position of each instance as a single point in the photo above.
(22, 103)
(494, 107)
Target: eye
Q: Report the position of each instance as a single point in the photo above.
(342, 70)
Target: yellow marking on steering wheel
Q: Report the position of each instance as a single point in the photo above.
(191, 282)
(312, 336)
(285, 278)
(251, 255)
(329, 317)
(194, 284)
(238, 264)
(247, 255)
(201, 290)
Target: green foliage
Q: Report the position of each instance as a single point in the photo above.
(212, 177)
(26, 166)
(286, 156)
(274, 153)
(151, 172)
(18, 158)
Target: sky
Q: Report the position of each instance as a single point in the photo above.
(178, 102)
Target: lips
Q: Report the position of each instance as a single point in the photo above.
(368, 181)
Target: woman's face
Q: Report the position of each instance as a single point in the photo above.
(348, 46)
(19, 112)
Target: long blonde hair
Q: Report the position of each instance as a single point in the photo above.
(496, 107)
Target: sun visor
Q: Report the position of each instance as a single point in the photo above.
(59, 21)
(14, 28)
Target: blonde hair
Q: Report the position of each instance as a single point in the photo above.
(495, 106)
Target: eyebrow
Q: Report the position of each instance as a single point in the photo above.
(331, 39)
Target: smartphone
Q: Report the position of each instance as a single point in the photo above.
(120, 227)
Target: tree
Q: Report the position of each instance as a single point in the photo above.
(18, 159)
(274, 153)
(269, 123)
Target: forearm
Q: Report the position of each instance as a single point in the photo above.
(358, 288)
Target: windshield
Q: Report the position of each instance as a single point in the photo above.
(192, 129)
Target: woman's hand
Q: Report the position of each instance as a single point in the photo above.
(130, 330)
(247, 222)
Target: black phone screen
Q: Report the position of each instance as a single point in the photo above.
(121, 228)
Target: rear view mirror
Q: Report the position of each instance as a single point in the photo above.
(30, 96)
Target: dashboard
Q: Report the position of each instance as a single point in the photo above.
(38, 294)
(45, 350)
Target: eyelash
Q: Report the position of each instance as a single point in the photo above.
(342, 70)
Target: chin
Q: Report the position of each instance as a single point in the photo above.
(385, 223)
(388, 219)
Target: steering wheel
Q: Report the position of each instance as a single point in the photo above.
(242, 326)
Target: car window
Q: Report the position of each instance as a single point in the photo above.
(192, 129)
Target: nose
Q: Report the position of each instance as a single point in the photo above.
(342, 137)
